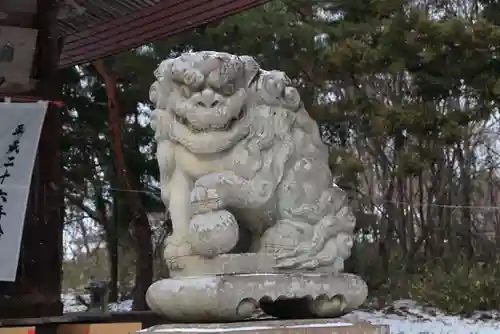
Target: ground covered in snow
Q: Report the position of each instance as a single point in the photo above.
(406, 317)
(403, 317)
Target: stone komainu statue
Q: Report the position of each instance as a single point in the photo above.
(243, 169)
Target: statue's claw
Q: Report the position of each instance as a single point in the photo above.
(175, 248)
(309, 265)
(307, 255)
(301, 248)
(286, 264)
(205, 200)
(308, 262)
(174, 251)
(210, 193)
(317, 244)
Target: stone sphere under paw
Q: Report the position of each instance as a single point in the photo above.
(213, 233)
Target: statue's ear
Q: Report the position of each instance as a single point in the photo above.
(252, 69)
(153, 92)
(164, 66)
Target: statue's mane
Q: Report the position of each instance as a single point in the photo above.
(267, 90)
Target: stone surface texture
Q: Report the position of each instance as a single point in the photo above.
(236, 297)
(245, 176)
(324, 326)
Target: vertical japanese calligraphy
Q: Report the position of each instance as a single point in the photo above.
(7, 164)
(20, 128)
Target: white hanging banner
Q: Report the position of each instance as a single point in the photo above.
(20, 128)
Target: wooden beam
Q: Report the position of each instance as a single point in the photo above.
(147, 318)
(153, 23)
(20, 20)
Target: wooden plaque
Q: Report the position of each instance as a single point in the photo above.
(17, 49)
(18, 6)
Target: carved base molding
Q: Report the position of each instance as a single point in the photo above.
(238, 297)
(244, 263)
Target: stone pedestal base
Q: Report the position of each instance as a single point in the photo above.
(246, 263)
(325, 326)
(236, 297)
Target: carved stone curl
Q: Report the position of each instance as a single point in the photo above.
(243, 170)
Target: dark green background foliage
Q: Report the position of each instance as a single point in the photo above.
(407, 98)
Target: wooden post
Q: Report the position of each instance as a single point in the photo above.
(37, 289)
(42, 251)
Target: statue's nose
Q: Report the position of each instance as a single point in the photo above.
(208, 99)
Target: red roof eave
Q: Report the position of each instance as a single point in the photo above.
(150, 24)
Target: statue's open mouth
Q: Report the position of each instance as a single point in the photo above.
(195, 128)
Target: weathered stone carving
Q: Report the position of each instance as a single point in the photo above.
(243, 170)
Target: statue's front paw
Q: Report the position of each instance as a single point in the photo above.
(304, 256)
(205, 200)
(319, 251)
(174, 250)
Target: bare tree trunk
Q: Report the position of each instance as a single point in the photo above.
(140, 222)
(112, 243)
(466, 190)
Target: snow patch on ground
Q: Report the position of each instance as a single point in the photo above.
(72, 305)
(403, 317)
(407, 317)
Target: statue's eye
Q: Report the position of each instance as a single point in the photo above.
(228, 89)
(193, 78)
